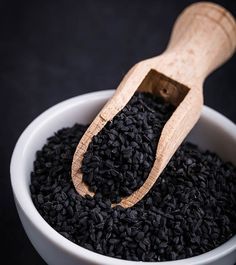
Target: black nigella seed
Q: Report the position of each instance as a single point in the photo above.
(143, 118)
(190, 209)
(139, 236)
(40, 198)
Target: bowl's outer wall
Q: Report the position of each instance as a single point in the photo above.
(82, 110)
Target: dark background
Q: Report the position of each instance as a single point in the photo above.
(54, 50)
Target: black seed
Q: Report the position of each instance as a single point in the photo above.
(138, 127)
(40, 198)
(59, 207)
(114, 241)
(139, 236)
(190, 209)
(70, 211)
(57, 189)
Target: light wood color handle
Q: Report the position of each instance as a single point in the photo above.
(203, 37)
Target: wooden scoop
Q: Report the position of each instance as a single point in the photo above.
(203, 37)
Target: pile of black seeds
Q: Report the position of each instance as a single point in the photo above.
(190, 210)
(120, 157)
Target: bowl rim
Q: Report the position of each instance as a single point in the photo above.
(23, 198)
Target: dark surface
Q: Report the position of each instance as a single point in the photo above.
(54, 50)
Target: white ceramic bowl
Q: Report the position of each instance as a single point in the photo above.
(213, 131)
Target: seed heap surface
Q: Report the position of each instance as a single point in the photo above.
(120, 157)
(190, 209)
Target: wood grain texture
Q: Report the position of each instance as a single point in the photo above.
(203, 37)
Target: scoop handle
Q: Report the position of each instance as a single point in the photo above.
(203, 38)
